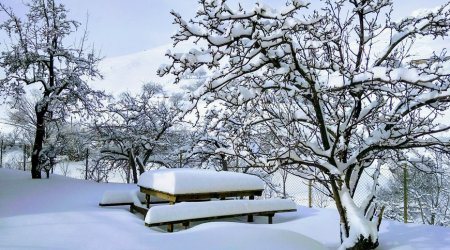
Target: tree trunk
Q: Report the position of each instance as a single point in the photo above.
(132, 162)
(38, 140)
(141, 166)
(223, 162)
(363, 234)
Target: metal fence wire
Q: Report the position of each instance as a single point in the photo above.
(407, 194)
(312, 194)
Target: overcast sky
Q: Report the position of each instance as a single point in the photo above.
(120, 27)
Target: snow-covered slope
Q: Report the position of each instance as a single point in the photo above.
(63, 213)
(129, 72)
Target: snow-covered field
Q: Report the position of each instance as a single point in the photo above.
(63, 213)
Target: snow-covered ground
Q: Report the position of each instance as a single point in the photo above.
(63, 213)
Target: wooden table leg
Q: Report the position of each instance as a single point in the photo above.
(250, 217)
(147, 200)
(270, 218)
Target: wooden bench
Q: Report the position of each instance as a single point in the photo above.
(186, 212)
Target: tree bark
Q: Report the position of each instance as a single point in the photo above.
(141, 166)
(38, 140)
(363, 242)
(132, 162)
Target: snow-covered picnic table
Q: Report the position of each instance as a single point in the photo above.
(176, 185)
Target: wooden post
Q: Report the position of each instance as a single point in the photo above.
(170, 228)
(87, 162)
(250, 217)
(24, 157)
(147, 200)
(309, 193)
(405, 194)
(284, 175)
(1, 154)
(181, 159)
(270, 218)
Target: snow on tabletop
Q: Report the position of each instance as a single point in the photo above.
(193, 210)
(188, 181)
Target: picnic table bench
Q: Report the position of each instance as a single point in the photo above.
(186, 212)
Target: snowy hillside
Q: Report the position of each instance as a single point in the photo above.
(63, 213)
(129, 72)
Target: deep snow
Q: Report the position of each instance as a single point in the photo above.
(63, 213)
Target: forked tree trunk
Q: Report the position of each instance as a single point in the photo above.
(359, 237)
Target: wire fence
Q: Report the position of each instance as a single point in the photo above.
(396, 192)
(312, 194)
(407, 194)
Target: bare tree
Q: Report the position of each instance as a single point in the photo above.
(38, 54)
(317, 91)
(135, 130)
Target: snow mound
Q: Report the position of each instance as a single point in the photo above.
(117, 197)
(228, 235)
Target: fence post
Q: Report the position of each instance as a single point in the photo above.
(24, 157)
(405, 194)
(310, 193)
(1, 155)
(87, 160)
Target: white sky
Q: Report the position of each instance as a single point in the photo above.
(120, 27)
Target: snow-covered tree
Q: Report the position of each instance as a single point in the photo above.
(329, 91)
(38, 54)
(135, 132)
